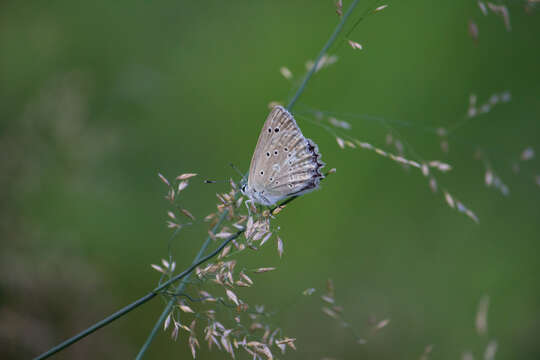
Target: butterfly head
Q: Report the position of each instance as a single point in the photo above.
(244, 191)
(243, 185)
(259, 197)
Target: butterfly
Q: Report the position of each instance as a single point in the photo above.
(284, 162)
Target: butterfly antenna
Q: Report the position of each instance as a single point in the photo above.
(236, 169)
(208, 181)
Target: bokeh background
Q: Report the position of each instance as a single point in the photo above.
(98, 97)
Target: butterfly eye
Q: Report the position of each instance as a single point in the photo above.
(276, 129)
(243, 188)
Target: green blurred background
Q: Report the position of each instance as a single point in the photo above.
(98, 97)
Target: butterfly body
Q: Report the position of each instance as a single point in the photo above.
(284, 162)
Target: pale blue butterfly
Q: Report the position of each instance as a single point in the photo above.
(284, 162)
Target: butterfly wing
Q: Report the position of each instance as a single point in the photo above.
(284, 162)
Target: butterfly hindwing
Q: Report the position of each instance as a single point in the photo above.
(284, 162)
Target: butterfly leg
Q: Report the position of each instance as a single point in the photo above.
(251, 207)
(247, 203)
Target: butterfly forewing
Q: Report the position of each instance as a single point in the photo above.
(284, 163)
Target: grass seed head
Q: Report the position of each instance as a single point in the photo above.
(185, 176)
(164, 179)
(355, 45)
(287, 74)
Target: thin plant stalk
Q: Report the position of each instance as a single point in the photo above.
(138, 302)
(181, 287)
(323, 51)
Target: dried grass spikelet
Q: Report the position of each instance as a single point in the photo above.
(491, 350)
(427, 352)
(278, 209)
(494, 99)
(182, 185)
(249, 228)
(473, 31)
(223, 235)
(170, 266)
(241, 283)
(193, 344)
(280, 246)
(232, 296)
(261, 348)
(381, 324)
(309, 291)
(330, 312)
(330, 288)
(287, 74)
(459, 206)
(325, 61)
(188, 214)
(286, 341)
(221, 199)
(492, 180)
(481, 315)
(350, 144)
(339, 123)
(355, 45)
(173, 225)
(443, 167)
(185, 176)
(185, 308)
(483, 8)
(433, 184)
(206, 296)
(167, 321)
(265, 238)
(503, 12)
(339, 8)
(164, 179)
(224, 252)
(449, 199)
(527, 154)
(209, 217)
(328, 299)
(176, 329)
(211, 235)
(157, 268)
(380, 8)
